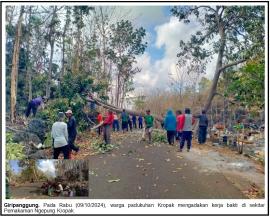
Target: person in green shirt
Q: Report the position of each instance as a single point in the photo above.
(149, 122)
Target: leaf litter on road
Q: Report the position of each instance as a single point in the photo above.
(113, 180)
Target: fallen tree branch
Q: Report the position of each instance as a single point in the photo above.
(103, 104)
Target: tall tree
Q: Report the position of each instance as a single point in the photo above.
(51, 37)
(14, 70)
(233, 33)
(125, 43)
(64, 35)
(79, 12)
(28, 53)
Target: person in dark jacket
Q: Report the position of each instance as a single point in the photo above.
(203, 124)
(72, 131)
(140, 120)
(170, 126)
(134, 121)
(130, 122)
(34, 104)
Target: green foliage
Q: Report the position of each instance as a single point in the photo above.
(48, 141)
(101, 147)
(76, 104)
(13, 150)
(159, 136)
(76, 84)
(240, 28)
(247, 85)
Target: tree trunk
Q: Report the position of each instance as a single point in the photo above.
(14, 69)
(117, 90)
(28, 63)
(48, 86)
(105, 105)
(217, 71)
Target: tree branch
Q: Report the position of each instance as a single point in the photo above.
(231, 64)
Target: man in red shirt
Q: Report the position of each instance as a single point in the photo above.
(179, 118)
(107, 127)
(185, 122)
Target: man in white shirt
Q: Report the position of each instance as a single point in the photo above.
(60, 137)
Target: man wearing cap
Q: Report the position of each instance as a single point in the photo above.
(60, 137)
(72, 132)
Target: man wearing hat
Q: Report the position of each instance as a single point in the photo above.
(72, 132)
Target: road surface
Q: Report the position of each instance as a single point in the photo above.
(138, 170)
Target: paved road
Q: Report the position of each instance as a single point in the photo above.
(138, 170)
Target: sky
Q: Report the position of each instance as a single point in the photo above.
(163, 33)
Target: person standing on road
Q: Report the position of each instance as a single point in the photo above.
(107, 127)
(60, 137)
(203, 124)
(134, 121)
(124, 118)
(149, 123)
(115, 122)
(72, 131)
(178, 120)
(140, 120)
(170, 126)
(186, 123)
(130, 123)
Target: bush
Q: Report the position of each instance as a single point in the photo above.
(159, 136)
(76, 104)
(101, 147)
(13, 150)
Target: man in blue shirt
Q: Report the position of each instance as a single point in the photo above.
(34, 104)
(134, 121)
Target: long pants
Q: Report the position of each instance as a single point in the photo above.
(178, 135)
(71, 141)
(33, 107)
(186, 136)
(170, 136)
(99, 130)
(125, 126)
(148, 133)
(134, 125)
(115, 125)
(202, 134)
(140, 125)
(130, 125)
(107, 134)
(64, 149)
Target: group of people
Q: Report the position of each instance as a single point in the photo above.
(128, 122)
(180, 126)
(111, 121)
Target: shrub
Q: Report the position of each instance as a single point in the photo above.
(13, 150)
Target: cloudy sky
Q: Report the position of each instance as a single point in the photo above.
(163, 35)
(47, 167)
